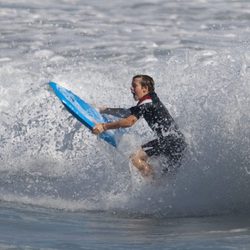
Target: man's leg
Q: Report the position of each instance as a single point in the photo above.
(139, 160)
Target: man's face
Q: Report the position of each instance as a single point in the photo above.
(137, 90)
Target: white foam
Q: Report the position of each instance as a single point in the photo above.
(46, 54)
(5, 59)
(201, 70)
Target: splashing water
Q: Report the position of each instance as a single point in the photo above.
(201, 67)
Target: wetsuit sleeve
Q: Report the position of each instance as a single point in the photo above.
(137, 111)
(118, 112)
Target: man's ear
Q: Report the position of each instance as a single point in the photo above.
(145, 89)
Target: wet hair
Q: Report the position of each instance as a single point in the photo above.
(146, 81)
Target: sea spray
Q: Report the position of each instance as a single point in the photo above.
(201, 69)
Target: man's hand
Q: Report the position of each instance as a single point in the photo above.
(98, 129)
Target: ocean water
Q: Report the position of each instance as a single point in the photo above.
(63, 188)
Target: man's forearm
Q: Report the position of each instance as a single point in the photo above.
(123, 123)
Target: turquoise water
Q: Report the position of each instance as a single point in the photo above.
(63, 188)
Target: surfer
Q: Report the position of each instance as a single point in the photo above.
(170, 142)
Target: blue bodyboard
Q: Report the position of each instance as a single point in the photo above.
(85, 113)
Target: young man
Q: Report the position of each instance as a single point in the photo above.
(170, 141)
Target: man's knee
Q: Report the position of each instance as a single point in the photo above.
(135, 159)
(138, 157)
(139, 160)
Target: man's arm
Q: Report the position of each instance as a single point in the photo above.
(122, 123)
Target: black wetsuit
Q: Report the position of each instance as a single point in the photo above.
(170, 141)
